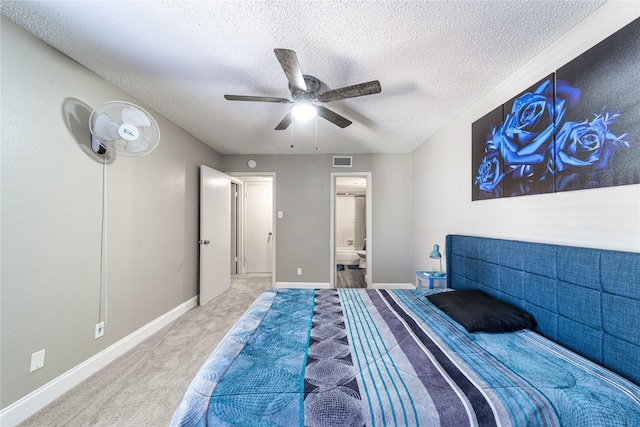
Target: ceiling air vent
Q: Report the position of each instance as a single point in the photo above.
(341, 161)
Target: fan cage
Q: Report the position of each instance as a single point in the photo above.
(113, 109)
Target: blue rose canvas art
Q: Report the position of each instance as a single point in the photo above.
(577, 128)
(598, 142)
(487, 171)
(516, 156)
(526, 136)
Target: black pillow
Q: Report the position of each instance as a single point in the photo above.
(477, 311)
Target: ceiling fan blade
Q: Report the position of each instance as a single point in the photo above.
(334, 118)
(285, 122)
(361, 89)
(256, 99)
(289, 63)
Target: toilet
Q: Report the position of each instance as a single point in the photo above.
(363, 258)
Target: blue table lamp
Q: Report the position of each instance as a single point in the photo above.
(435, 254)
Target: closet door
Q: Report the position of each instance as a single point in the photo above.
(259, 208)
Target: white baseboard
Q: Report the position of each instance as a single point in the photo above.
(38, 399)
(393, 286)
(304, 285)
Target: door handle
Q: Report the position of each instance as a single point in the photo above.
(204, 242)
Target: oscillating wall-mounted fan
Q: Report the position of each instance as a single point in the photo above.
(124, 128)
(305, 90)
(127, 130)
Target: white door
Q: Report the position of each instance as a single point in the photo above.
(259, 208)
(215, 235)
(234, 255)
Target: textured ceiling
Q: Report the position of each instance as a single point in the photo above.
(433, 60)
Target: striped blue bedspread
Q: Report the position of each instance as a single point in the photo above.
(354, 357)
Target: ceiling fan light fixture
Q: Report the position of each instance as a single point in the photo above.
(304, 90)
(304, 111)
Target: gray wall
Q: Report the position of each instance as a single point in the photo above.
(51, 218)
(303, 193)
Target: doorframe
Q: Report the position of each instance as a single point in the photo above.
(272, 175)
(239, 219)
(368, 222)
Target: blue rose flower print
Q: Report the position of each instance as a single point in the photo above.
(489, 173)
(532, 144)
(588, 143)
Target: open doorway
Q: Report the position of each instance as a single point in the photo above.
(351, 221)
(255, 236)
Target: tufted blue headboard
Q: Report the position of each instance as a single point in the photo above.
(588, 300)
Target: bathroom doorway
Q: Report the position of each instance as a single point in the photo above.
(351, 245)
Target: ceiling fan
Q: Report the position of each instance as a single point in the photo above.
(305, 91)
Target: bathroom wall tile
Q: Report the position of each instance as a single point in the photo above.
(350, 221)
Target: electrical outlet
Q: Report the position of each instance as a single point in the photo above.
(299, 271)
(37, 360)
(99, 330)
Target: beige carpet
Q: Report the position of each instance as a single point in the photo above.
(145, 386)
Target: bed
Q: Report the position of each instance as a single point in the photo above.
(358, 357)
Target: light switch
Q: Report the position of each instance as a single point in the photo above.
(280, 216)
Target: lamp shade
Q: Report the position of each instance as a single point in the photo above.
(435, 253)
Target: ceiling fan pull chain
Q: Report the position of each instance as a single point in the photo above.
(292, 124)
